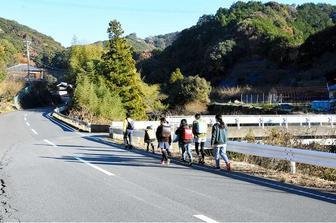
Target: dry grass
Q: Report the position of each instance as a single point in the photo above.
(229, 93)
(87, 116)
(8, 89)
(195, 107)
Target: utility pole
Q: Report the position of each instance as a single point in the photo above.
(28, 55)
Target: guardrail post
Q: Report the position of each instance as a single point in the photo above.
(237, 122)
(261, 123)
(285, 122)
(308, 122)
(331, 122)
(293, 167)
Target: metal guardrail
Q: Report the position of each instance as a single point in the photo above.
(262, 120)
(251, 120)
(292, 155)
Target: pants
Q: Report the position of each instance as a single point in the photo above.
(152, 145)
(187, 150)
(197, 144)
(165, 149)
(220, 151)
(128, 138)
(181, 146)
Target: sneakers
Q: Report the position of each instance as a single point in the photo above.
(168, 161)
(162, 162)
(228, 167)
(217, 168)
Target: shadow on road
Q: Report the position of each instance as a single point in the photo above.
(147, 159)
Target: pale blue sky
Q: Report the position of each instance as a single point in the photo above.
(88, 19)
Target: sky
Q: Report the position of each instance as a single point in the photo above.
(87, 20)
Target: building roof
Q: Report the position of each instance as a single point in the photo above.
(22, 67)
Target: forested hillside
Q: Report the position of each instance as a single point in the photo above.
(139, 45)
(249, 43)
(44, 50)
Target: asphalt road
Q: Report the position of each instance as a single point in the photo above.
(51, 173)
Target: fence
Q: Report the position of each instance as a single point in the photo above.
(250, 120)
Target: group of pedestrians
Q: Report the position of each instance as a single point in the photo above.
(185, 135)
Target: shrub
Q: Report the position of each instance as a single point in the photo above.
(98, 99)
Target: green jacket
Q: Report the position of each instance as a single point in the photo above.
(219, 135)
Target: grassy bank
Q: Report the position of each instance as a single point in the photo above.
(8, 89)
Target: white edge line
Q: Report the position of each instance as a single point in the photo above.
(94, 166)
(33, 130)
(50, 143)
(25, 118)
(64, 125)
(205, 218)
(61, 124)
(276, 185)
(27, 123)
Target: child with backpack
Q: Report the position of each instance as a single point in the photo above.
(149, 138)
(163, 136)
(219, 142)
(200, 129)
(185, 136)
(128, 128)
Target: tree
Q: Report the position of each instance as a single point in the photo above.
(182, 90)
(119, 69)
(176, 76)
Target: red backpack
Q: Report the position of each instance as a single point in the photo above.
(187, 135)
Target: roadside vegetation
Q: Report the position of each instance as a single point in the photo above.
(286, 139)
(8, 89)
(107, 82)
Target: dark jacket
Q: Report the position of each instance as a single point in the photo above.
(147, 139)
(219, 134)
(159, 135)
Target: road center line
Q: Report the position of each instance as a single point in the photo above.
(205, 218)
(27, 123)
(50, 143)
(94, 166)
(33, 130)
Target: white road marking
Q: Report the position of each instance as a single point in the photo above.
(25, 115)
(205, 218)
(94, 166)
(33, 130)
(25, 118)
(84, 161)
(27, 123)
(50, 143)
(61, 124)
(64, 125)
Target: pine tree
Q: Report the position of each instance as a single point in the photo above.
(119, 69)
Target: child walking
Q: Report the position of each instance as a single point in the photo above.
(149, 138)
(219, 142)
